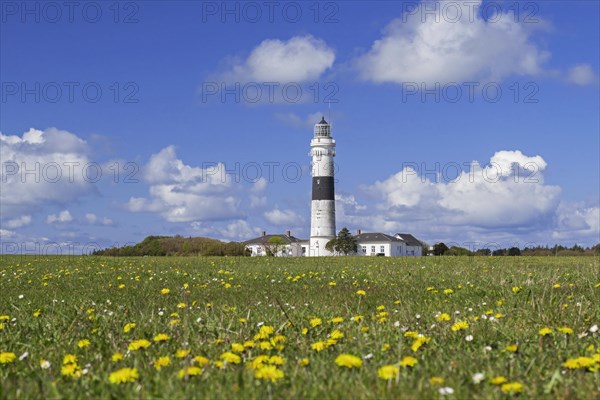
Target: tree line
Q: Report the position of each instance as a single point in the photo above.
(441, 249)
(176, 246)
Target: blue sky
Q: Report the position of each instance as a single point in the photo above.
(198, 108)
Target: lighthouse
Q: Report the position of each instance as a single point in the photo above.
(322, 210)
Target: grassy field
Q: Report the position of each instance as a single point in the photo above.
(472, 327)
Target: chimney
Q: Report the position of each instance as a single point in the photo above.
(288, 233)
(357, 232)
(264, 233)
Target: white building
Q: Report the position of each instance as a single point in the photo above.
(277, 245)
(381, 244)
(412, 246)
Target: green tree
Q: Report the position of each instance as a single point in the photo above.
(439, 249)
(346, 243)
(274, 245)
(514, 251)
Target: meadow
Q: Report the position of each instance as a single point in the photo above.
(364, 328)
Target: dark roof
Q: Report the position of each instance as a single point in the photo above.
(323, 122)
(409, 239)
(375, 237)
(265, 239)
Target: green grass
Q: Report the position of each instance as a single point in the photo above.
(80, 298)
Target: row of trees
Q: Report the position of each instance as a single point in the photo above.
(557, 250)
(176, 246)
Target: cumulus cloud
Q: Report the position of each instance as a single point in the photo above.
(62, 217)
(299, 59)
(93, 219)
(509, 191)
(19, 222)
(182, 193)
(287, 218)
(43, 167)
(296, 121)
(417, 48)
(238, 230)
(582, 75)
(577, 221)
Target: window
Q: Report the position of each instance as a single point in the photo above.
(372, 249)
(382, 249)
(364, 249)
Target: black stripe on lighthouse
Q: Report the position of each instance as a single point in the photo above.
(322, 188)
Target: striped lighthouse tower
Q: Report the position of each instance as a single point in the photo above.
(322, 210)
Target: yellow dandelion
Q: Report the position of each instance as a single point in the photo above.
(6, 357)
(566, 330)
(348, 361)
(443, 317)
(512, 348)
(512, 387)
(388, 372)
(189, 371)
(181, 305)
(336, 335)
(83, 343)
(436, 380)
(498, 380)
(165, 291)
(303, 362)
(269, 372)
(161, 362)
(139, 344)
(276, 360)
(237, 347)
(231, 358)
(408, 361)
(69, 359)
(545, 331)
(182, 353)
(70, 370)
(128, 327)
(361, 292)
(319, 346)
(460, 326)
(337, 320)
(315, 322)
(123, 375)
(202, 361)
(161, 337)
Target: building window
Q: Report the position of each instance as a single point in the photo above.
(382, 249)
(364, 249)
(372, 249)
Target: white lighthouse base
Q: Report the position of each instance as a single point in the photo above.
(317, 246)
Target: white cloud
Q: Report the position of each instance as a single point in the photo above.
(582, 75)
(505, 201)
(19, 222)
(238, 230)
(182, 193)
(299, 59)
(287, 218)
(42, 167)
(93, 219)
(62, 217)
(577, 221)
(417, 48)
(5, 233)
(498, 194)
(295, 121)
